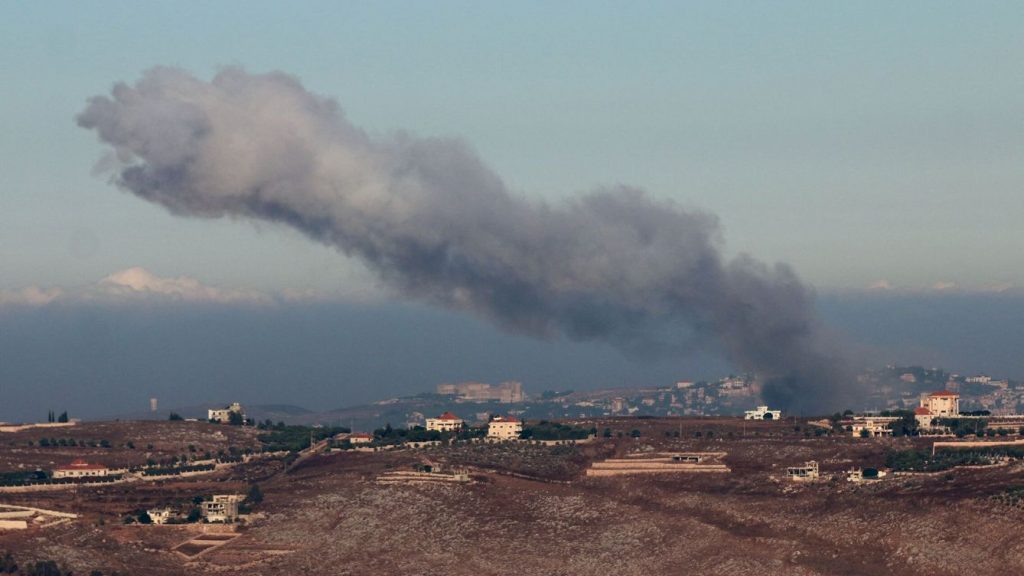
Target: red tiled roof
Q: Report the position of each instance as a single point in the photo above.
(79, 464)
(360, 435)
(944, 393)
(449, 416)
(922, 411)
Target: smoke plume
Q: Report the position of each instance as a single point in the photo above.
(438, 226)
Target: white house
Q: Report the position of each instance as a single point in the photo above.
(504, 428)
(446, 422)
(762, 413)
(223, 415)
(81, 469)
(942, 404)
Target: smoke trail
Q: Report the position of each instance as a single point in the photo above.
(439, 226)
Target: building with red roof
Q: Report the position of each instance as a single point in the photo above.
(81, 469)
(446, 422)
(941, 404)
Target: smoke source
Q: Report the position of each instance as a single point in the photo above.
(437, 225)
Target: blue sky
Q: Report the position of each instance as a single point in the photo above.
(859, 141)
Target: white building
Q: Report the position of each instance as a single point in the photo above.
(223, 415)
(81, 469)
(762, 413)
(222, 508)
(504, 428)
(942, 404)
(446, 422)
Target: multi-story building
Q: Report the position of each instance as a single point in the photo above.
(223, 415)
(222, 507)
(504, 428)
(942, 404)
(446, 422)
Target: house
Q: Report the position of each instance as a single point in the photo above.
(360, 438)
(81, 469)
(504, 428)
(222, 508)
(805, 473)
(162, 515)
(446, 422)
(223, 415)
(762, 413)
(942, 404)
(872, 426)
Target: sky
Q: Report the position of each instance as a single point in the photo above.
(875, 147)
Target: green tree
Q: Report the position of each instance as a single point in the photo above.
(63, 416)
(143, 517)
(175, 417)
(235, 419)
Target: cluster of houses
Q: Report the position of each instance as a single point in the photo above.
(499, 428)
(941, 404)
(221, 508)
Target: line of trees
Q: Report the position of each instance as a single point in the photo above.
(50, 416)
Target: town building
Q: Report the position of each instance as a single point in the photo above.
(506, 392)
(504, 428)
(223, 415)
(222, 507)
(446, 422)
(81, 469)
(762, 413)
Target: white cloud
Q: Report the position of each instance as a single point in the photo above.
(31, 296)
(135, 284)
(881, 285)
(944, 286)
(140, 282)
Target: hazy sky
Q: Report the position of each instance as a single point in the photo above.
(867, 144)
(858, 141)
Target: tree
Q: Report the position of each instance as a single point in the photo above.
(255, 495)
(607, 433)
(63, 416)
(635, 433)
(235, 419)
(144, 518)
(175, 417)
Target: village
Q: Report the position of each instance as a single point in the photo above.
(211, 492)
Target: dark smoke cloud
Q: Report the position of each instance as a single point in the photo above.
(439, 226)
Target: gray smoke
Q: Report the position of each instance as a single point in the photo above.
(439, 226)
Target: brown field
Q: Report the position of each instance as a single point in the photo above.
(532, 511)
(166, 438)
